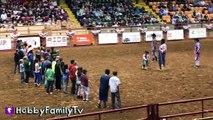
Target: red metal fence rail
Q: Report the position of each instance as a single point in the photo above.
(152, 110)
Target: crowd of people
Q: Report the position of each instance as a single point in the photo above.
(107, 14)
(47, 68)
(26, 12)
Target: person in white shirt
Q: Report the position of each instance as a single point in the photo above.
(209, 26)
(119, 30)
(114, 83)
(14, 36)
(70, 33)
(162, 54)
(145, 60)
(37, 72)
(42, 36)
(165, 28)
(142, 29)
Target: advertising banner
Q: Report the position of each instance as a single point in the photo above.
(33, 41)
(175, 35)
(84, 39)
(5, 44)
(159, 35)
(197, 33)
(56, 41)
(107, 38)
(131, 37)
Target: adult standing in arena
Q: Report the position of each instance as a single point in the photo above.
(162, 54)
(154, 47)
(114, 83)
(58, 75)
(103, 89)
(72, 74)
(197, 53)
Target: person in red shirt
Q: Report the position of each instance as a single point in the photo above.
(72, 74)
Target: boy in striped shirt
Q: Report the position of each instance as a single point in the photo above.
(197, 53)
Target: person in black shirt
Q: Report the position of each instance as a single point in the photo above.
(16, 60)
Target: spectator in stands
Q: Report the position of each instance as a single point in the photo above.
(165, 28)
(163, 11)
(103, 88)
(114, 83)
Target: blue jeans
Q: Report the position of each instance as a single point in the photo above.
(22, 77)
(161, 57)
(65, 81)
(117, 96)
(49, 86)
(37, 78)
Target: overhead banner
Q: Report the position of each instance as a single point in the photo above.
(197, 33)
(175, 35)
(33, 41)
(159, 35)
(107, 38)
(56, 41)
(131, 37)
(84, 39)
(5, 44)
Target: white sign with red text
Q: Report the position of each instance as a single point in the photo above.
(5, 44)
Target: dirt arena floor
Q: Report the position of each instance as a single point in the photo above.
(179, 81)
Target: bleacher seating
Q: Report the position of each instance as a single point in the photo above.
(91, 13)
(187, 11)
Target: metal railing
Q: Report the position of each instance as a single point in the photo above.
(152, 110)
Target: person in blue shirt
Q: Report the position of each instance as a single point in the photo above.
(31, 59)
(197, 53)
(104, 87)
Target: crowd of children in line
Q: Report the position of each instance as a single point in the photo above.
(48, 68)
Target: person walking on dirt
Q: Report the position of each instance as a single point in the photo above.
(103, 89)
(72, 74)
(114, 83)
(154, 47)
(197, 53)
(162, 54)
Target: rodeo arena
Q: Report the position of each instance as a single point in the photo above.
(106, 59)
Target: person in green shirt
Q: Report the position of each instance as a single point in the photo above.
(26, 69)
(50, 77)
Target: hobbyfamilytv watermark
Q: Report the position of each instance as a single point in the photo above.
(10, 110)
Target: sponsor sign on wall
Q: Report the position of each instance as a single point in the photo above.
(33, 41)
(84, 39)
(5, 44)
(197, 33)
(107, 38)
(130, 37)
(56, 41)
(159, 35)
(175, 35)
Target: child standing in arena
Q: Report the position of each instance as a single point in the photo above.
(21, 66)
(50, 76)
(162, 54)
(145, 61)
(65, 77)
(197, 53)
(154, 47)
(85, 85)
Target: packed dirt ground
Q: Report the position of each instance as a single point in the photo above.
(179, 81)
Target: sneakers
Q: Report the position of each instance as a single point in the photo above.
(51, 93)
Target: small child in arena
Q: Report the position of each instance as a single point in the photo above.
(21, 66)
(145, 61)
